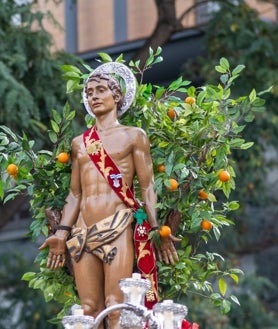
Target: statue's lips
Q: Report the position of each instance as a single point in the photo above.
(96, 105)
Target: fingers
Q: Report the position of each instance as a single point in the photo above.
(175, 239)
(175, 256)
(159, 256)
(168, 256)
(166, 252)
(55, 261)
(44, 245)
(165, 257)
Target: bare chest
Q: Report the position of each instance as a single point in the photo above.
(119, 147)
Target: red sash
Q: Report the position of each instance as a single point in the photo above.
(145, 255)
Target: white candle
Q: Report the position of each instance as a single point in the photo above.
(135, 295)
(78, 311)
(136, 276)
(168, 321)
(78, 326)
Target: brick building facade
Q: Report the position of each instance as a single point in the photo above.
(86, 25)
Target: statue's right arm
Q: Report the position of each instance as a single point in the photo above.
(57, 242)
(72, 203)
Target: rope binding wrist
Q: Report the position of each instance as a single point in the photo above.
(154, 228)
(62, 228)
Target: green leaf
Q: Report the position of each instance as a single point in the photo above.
(222, 285)
(215, 296)
(236, 142)
(224, 78)
(53, 137)
(57, 117)
(226, 306)
(234, 205)
(1, 190)
(70, 68)
(4, 140)
(246, 146)
(39, 283)
(28, 276)
(235, 300)
(54, 126)
(234, 277)
(105, 57)
(158, 51)
(238, 69)
(163, 144)
(150, 60)
(175, 84)
(220, 69)
(70, 116)
(120, 59)
(249, 118)
(252, 96)
(10, 196)
(159, 92)
(72, 85)
(211, 197)
(72, 76)
(224, 63)
(159, 59)
(216, 232)
(9, 132)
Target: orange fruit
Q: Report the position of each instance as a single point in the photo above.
(206, 225)
(190, 100)
(161, 168)
(12, 169)
(203, 194)
(63, 157)
(171, 113)
(164, 231)
(173, 184)
(224, 176)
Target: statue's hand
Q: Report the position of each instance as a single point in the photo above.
(57, 251)
(166, 251)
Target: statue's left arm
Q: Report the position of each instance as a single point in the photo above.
(166, 251)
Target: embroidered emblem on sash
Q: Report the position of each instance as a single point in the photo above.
(116, 181)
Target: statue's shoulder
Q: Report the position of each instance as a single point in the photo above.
(76, 141)
(135, 131)
(137, 135)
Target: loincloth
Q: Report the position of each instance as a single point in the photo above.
(96, 238)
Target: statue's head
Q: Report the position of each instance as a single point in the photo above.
(113, 85)
(120, 80)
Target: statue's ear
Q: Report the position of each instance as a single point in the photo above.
(117, 98)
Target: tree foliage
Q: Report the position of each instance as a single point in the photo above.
(238, 33)
(30, 74)
(194, 145)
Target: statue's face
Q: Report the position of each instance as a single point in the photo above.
(100, 97)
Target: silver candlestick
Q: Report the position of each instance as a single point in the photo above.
(134, 315)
